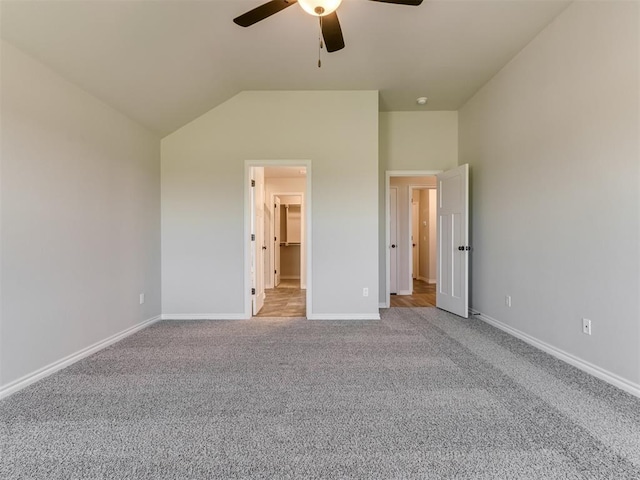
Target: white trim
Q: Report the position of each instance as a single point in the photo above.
(413, 173)
(601, 373)
(382, 305)
(247, 229)
(345, 316)
(431, 280)
(205, 316)
(404, 292)
(52, 368)
(289, 277)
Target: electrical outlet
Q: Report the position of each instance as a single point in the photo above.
(141, 298)
(365, 292)
(507, 300)
(586, 326)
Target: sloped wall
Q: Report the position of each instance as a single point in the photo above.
(80, 219)
(202, 198)
(552, 142)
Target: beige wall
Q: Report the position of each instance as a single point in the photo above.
(552, 143)
(412, 141)
(80, 219)
(418, 140)
(203, 199)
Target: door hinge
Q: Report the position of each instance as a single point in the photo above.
(253, 291)
(253, 183)
(253, 237)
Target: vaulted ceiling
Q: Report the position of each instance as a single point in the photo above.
(164, 63)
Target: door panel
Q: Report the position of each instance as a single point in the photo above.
(393, 240)
(268, 254)
(257, 224)
(453, 239)
(276, 242)
(415, 240)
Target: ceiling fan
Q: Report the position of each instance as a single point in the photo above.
(324, 9)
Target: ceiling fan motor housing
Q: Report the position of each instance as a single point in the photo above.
(319, 8)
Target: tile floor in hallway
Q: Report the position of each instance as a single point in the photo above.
(286, 300)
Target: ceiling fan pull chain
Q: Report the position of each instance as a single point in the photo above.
(320, 43)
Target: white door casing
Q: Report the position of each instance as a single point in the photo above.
(268, 252)
(415, 239)
(307, 242)
(452, 292)
(393, 240)
(276, 241)
(257, 230)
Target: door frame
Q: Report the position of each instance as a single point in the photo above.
(387, 222)
(303, 240)
(389, 248)
(247, 227)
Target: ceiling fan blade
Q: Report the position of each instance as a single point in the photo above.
(332, 33)
(413, 3)
(263, 11)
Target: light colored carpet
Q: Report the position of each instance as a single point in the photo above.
(420, 394)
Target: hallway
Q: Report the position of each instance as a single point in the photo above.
(424, 295)
(286, 300)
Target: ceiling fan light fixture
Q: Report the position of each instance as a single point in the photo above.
(421, 100)
(319, 8)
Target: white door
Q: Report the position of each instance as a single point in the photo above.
(257, 231)
(393, 240)
(415, 239)
(452, 293)
(277, 217)
(268, 256)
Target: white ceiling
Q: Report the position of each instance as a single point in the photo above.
(164, 63)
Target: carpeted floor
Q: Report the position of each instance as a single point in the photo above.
(421, 394)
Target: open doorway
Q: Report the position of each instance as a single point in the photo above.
(279, 222)
(422, 248)
(412, 237)
(451, 232)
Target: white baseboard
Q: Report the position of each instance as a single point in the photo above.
(382, 305)
(204, 316)
(601, 373)
(428, 280)
(289, 277)
(52, 368)
(344, 316)
(404, 292)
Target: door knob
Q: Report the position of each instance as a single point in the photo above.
(264, 247)
(393, 246)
